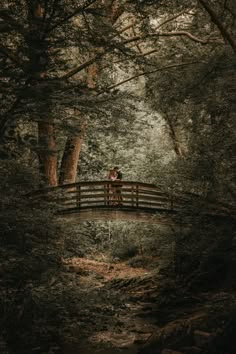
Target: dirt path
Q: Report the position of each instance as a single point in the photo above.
(119, 309)
(116, 296)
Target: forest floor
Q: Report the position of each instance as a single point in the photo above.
(117, 296)
(120, 310)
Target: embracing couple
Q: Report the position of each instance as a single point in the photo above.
(115, 175)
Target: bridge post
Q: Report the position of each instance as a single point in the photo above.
(172, 199)
(106, 194)
(132, 195)
(137, 195)
(78, 196)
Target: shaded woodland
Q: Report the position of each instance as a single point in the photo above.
(149, 86)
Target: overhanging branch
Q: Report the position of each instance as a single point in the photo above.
(166, 34)
(173, 18)
(83, 66)
(144, 74)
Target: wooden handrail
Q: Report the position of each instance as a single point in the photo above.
(93, 183)
(130, 194)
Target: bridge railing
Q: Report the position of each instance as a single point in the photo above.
(109, 194)
(132, 195)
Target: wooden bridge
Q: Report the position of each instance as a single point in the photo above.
(123, 200)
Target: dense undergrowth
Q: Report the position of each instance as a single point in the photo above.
(30, 251)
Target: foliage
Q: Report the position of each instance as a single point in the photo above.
(204, 257)
(30, 248)
(47, 51)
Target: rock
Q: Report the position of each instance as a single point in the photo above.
(202, 339)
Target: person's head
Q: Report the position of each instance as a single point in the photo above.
(112, 172)
(116, 168)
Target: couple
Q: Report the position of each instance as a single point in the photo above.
(115, 175)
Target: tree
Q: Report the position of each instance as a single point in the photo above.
(41, 81)
(37, 78)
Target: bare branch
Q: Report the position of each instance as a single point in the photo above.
(166, 34)
(83, 66)
(133, 57)
(137, 44)
(126, 28)
(95, 58)
(134, 39)
(173, 18)
(144, 74)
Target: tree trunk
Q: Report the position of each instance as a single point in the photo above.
(47, 153)
(38, 55)
(177, 146)
(69, 163)
(70, 159)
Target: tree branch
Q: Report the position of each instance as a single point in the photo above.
(161, 24)
(130, 40)
(126, 28)
(173, 17)
(167, 34)
(222, 28)
(76, 12)
(137, 44)
(144, 74)
(83, 66)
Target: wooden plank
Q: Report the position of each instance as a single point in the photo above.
(125, 203)
(152, 192)
(123, 190)
(126, 197)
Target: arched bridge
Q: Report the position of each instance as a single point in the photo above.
(124, 200)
